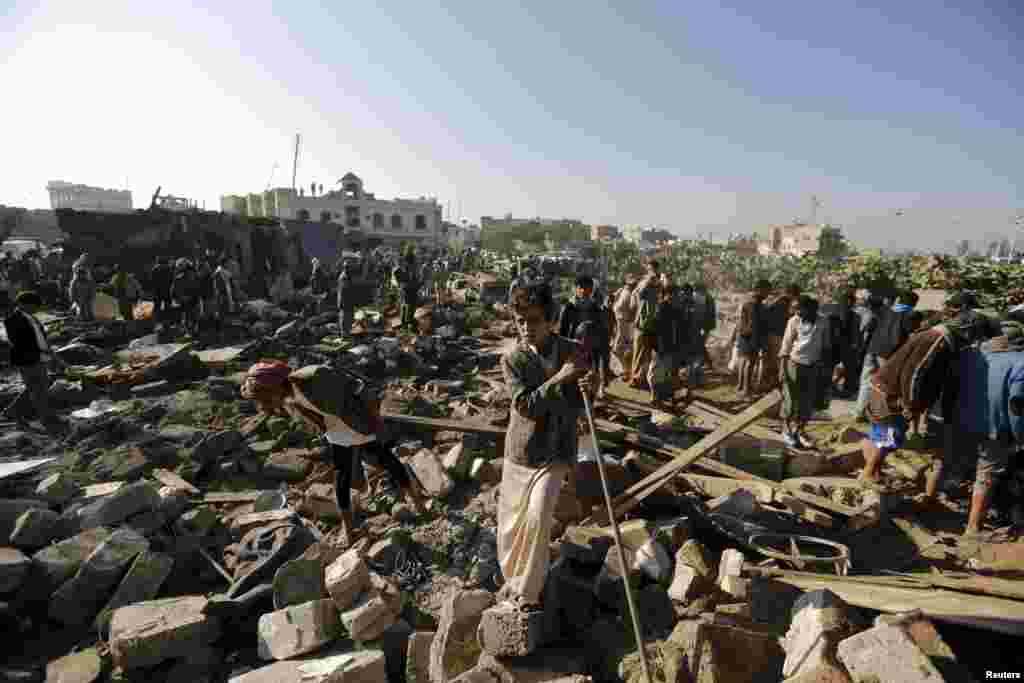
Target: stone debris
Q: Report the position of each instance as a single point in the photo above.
(35, 528)
(81, 667)
(82, 596)
(142, 582)
(147, 633)
(430, 472)
(298, 629)
(887, 653)
(171, 485)
(819, 622)
(506, 631)
(14, 566)
(369, 616)
(346, 579)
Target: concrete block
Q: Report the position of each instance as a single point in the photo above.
(687, 584)
(80, 598)
(506, 631)
(431, 473)
(394, 643)
(740, 503)
(455, 648)
(693, 554)
(820, 619)
(80, 667)
(923, 632)
(147, 633)
(365, 666)
(417, 657)
(119, 506)
(142, 582)
(736, 586)
(299, 581)
(14, 566)
(59, 562)
(730, 564)
(886, 653)
(369, 617)
(320, 502)
(57, 489)
(13, 508)
(346, 578)
(35, 529)
(298, 629)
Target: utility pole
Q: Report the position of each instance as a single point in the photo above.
(815, 205)
(295, 162)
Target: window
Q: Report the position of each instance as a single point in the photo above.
(421, 222)
(378, 221)
(396, 222)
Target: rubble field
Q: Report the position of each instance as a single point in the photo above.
(173, 534)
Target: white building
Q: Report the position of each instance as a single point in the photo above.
(87, 198)
(461, 235)
(351, 207)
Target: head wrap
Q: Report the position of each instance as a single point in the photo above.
(265, 377)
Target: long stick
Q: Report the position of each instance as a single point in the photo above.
(618, 540)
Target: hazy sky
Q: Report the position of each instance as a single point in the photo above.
(695, 116)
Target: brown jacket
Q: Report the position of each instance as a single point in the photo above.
(542, 422)
(917, 373)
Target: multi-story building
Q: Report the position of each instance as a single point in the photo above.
(351, 208)
(604, 233)
(796, 239)
(87, 198)
(461, 235)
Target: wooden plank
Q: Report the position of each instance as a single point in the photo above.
(233, 496)
(893, 595)
(168, 478)
(438, 424)
(714, 487)
(651, 444)
(713, 415)
(635, 494)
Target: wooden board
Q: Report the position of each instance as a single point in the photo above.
(438, 424)
(897, 594)
(635, 494)
(234, 496)
(168, 478)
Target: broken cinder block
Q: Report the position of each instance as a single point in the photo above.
(887, 653)
(506, 631)
(298, 629)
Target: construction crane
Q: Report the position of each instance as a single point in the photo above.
(271, 178)
(295, 162)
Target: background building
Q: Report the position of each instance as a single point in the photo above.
(795, 239)
(87, 198)
(351, 208)
(604, 233)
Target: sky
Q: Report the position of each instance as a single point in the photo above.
(699, 117)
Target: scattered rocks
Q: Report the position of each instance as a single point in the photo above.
(819, 622)
(417, 657)
(289, 465)
(369, 616)
(142, 582)
(506, 631)
(119, 506)
(10, 510)
(59, 562)
(80, 667)
(217, 445)
(298, 629)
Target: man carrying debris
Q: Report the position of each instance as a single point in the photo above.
(126, 291)
(30, 353)
(749, 337)
(804, 346)
(342, 407)
(346, 304)
(908, 383)
(645, 300)
(541, 374)
(582, 309)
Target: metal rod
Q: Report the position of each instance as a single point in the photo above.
(618, 541)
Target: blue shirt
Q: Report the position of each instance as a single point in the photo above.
(987, 383)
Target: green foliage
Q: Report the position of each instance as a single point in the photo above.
(531, 236)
